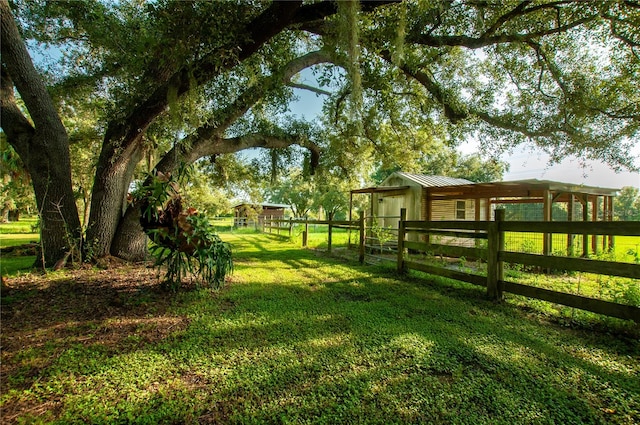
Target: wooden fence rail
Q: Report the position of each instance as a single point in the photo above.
(357, 225)
(495, 255)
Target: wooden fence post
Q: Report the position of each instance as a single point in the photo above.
(305, 233)
(361, 240)
(495, 239)
(401, 227)
(330, 232)
(500, 214)
(290, 226)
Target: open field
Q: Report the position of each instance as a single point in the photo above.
(626, 248)
(298, 337)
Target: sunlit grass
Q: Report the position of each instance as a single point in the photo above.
(13, 239)
(24, 225)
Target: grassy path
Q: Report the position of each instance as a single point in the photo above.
(297, 337)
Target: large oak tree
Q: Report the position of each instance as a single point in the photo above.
(560, 74)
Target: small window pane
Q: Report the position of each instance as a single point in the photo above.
(460, 210)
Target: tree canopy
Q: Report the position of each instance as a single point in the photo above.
(157, 84)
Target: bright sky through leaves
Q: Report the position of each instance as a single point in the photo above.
(525, 162)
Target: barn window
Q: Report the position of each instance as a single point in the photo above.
(460, 210)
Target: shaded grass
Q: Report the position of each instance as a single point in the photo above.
(13, 265)
(297, 337)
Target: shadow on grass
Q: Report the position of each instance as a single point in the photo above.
(354, 350)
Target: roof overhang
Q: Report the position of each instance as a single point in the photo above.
(261, 204)
(381, 189)
(518, 189)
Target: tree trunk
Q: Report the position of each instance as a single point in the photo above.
(109, 194)
(59, 222)
(42, 144)
(130, 242)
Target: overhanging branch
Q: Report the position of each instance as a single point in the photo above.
(310, 88)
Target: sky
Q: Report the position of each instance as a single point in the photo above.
(525, 162)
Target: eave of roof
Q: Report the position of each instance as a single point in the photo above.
(518, 188)
(262, 204)
(380, 189)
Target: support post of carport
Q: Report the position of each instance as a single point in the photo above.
(610, 240)
(547, 217)
(401, 238)
(350, 217)
(570, 209)
(594, 218)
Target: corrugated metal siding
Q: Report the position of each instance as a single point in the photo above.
(443, 210)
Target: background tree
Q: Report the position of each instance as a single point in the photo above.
(205, 196)
(440, 160)
(333, 197)
(626, 205)
(295, 191)
(16, 192)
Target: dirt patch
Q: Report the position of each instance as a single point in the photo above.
(118, 308)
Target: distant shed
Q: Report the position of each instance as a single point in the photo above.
(405, 190)
(248, 213)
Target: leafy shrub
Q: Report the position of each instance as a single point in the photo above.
(183, 241)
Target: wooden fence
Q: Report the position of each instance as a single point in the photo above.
(492, 251)
(495, 256)
(279, 226)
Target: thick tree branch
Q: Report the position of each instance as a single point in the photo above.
(15, 125)
(200, 143)
(310, 88)
(265, 26)
(479, 42)
(318, 11)
(456, 111)
(24, 75)
(453, 112)
(255, 140)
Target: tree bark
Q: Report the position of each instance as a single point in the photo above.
(130, 242)
(43, 146)
(109, 194)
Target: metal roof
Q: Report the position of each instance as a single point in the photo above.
(380, 189)
(531, 188)
(442, 187)
(429, 181)
(262, 204)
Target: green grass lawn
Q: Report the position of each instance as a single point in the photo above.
(299, 337)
